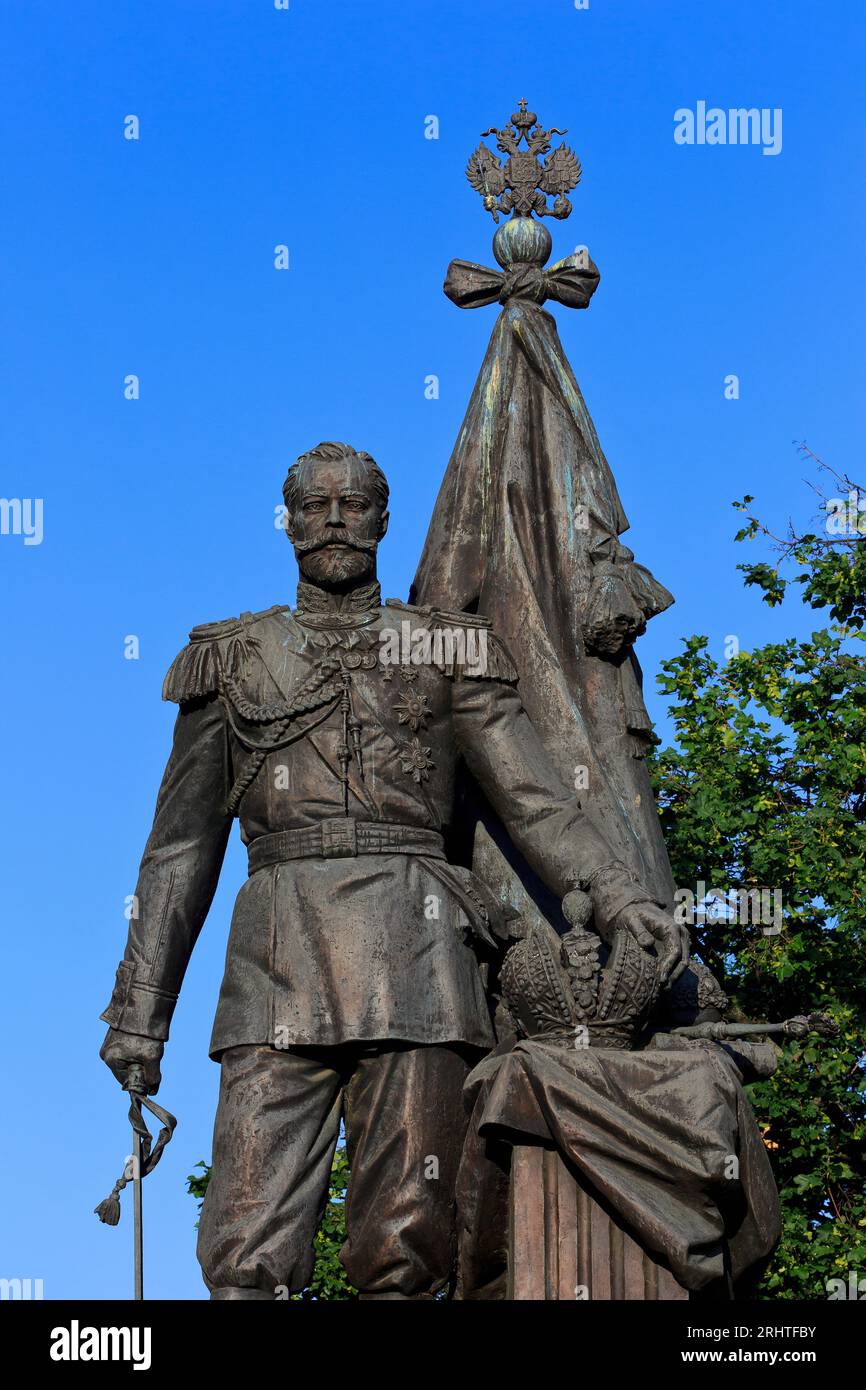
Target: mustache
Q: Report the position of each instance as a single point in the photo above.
(350, 543)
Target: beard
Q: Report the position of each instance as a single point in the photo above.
(337, 562)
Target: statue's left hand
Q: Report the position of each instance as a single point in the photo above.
(655, 926)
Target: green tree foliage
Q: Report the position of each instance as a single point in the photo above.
(765, 787)
(329, 1280)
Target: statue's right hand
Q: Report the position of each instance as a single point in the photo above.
(122, 1050)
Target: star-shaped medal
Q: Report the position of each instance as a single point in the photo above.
(416, 759)
(413, 709)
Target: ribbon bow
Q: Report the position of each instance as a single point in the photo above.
(571, 282)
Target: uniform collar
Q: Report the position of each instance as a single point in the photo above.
(321, 608)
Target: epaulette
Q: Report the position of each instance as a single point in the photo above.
(486, 655)
(213, 649)
(462, 619)
(423, 609)
(441, 614)
(478, 655)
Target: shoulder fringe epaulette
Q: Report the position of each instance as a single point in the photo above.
(483, 655)
(463, 644)
(214, 650)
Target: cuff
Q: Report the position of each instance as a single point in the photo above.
(135, 1007)
(612, 888)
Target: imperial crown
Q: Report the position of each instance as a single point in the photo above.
(557, 989)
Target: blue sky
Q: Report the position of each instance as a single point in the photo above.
(155, 257)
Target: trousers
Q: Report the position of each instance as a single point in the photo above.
(276, 1129)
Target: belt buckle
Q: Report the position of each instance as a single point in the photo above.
(339, 838)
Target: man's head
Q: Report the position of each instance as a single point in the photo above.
(336, 514)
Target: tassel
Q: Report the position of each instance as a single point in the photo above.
(108, 1210)
(612, 618)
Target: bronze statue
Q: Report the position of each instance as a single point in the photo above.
(457, 934)
(357, 965)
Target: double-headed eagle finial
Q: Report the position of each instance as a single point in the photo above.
(522, 183)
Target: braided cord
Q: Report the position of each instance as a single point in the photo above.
(310, 696)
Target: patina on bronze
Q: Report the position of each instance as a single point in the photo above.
(527, 523)
(612, 1152)
(662, 1185)
(356, 970)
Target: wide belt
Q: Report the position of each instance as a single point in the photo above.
(343, 838)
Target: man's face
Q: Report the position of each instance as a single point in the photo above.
(337, 523)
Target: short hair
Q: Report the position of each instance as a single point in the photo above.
(330, 451)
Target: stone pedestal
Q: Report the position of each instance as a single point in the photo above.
(563, 1245)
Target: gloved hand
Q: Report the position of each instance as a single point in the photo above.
(121, 1050)
(654, 926)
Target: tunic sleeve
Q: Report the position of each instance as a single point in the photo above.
(178, 874)
(507, 758)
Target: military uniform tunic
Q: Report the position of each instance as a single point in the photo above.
(323, 729)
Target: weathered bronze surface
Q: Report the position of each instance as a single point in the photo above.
(650, 1122)
(333, 733)
(438, 910)
(564, 1245)
(526, 529)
